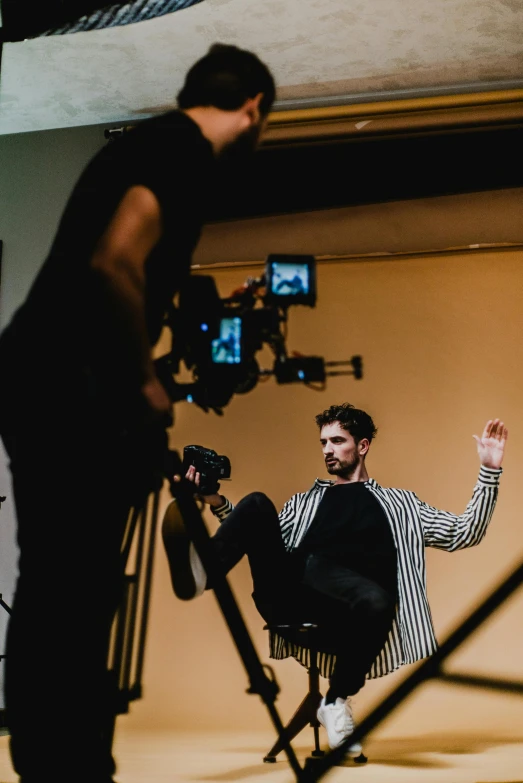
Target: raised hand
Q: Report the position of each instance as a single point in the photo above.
(491, 445)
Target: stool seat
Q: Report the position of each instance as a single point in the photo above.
(304, 628)
(297, 626)
(306, 631)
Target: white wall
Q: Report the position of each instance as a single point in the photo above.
(37, 173)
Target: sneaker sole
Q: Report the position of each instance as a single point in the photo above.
(186, 570)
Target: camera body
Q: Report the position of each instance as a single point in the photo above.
(211, 466)
(217, 338)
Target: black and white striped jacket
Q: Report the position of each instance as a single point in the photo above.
(414, 526)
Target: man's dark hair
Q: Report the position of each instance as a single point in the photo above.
(354, 420)
(226, 77)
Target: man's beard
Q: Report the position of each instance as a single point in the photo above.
(343, 468)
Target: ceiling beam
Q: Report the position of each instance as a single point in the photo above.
(432, 113)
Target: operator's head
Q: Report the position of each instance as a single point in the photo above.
(237, 83)
(345, 435)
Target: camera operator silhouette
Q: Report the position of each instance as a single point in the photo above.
(83, 413)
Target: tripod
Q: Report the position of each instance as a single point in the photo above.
(126, 653)
(127, 645)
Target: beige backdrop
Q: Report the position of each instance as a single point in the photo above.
(443, 352)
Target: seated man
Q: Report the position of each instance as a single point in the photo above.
(347, 554)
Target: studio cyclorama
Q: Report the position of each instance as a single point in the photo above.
(260, 391)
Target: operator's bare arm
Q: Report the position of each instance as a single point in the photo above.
(119, 260)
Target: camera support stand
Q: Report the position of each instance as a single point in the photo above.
(126, 654)
(261, 677)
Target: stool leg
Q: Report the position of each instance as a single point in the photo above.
(305, 714)
(317, 750)
(314, 690)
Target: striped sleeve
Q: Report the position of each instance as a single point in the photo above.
(223, 511)
(450, 531)
(289, 516)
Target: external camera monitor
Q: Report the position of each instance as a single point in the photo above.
(291, 279)
(227, 348)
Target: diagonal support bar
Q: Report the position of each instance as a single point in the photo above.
(476, 681)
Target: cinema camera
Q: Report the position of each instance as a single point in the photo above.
(217, 339)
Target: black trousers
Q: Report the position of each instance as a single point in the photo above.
(355, 613)
(75, 476)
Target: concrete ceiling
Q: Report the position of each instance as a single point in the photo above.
(320, 51)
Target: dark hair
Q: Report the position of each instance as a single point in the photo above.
(226, 77)
(354, 420)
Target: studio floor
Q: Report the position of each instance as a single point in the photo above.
(431, 758)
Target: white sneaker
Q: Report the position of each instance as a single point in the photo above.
(188, 575)
(337, 719)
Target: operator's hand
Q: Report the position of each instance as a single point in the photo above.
(157, 399)
(212, 500)
(491, 445)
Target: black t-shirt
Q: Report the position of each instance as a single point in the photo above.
(170, 156)
(350, 528)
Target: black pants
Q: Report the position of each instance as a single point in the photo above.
(355, 613)
(75, 478)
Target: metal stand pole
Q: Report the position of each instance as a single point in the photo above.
(4, 605)
(7, 608)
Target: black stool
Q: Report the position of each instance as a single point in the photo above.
(306, 713)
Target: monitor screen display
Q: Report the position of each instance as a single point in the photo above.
(226, 349)
(289, 279)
